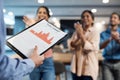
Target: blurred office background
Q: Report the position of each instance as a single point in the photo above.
(64, 13)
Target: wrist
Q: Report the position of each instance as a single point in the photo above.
(110, 39)
(118, 40)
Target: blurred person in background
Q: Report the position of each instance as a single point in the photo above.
(110, 43)
(46, 71)
(85, 45)
(15, 69)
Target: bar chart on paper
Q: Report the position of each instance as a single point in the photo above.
(42, 34)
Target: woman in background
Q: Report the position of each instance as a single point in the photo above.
(85, 45)
(46, 70)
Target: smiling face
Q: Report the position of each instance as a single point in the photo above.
(42, 13)
(87, 19)
(114, 20)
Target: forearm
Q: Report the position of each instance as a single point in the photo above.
(75, 43)
(83, 40)
(15, 67)
(105, 43)
(118, 41)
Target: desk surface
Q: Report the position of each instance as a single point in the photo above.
(61, 57)
(66, 57)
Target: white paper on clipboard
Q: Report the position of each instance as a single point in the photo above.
(43, 34)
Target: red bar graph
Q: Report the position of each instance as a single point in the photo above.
(43, 36)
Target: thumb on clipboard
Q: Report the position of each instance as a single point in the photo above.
(37, 59)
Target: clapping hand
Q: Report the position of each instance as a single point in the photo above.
(28, 21)
(80, 32)
(115, 35)
(79, 29)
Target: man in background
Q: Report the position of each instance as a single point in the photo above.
(110, 43)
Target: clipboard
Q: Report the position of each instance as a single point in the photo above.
(42, 33)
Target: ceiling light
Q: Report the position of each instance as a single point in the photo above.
(40, 1)
(94, 10)
(10, 13)
(51, 13)
(105, 1)
(10, 20)
(4, 10)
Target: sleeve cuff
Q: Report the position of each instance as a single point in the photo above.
(30, 63)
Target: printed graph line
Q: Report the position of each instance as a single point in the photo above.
(43, 36)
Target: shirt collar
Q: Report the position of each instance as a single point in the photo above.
(109, 29)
